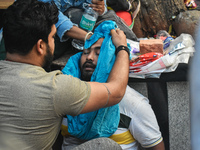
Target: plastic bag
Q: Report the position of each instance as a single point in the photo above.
(183, 41)
(181, 49)
(165, 37)
(143, 60)
(134, 48)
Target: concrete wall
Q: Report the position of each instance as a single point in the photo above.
(179, 115)
(178, 112)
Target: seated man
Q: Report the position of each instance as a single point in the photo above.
(137, 123)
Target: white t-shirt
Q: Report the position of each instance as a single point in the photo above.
(142, 123)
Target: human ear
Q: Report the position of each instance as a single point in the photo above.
(40, 46)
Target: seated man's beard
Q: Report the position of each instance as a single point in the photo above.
(48, 58)
(85, 74)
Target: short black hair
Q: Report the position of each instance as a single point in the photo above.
(25, 22)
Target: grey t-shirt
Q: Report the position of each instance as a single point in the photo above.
(32, 103)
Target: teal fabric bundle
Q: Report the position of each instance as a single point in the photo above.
(103, 122)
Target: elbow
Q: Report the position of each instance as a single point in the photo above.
(116, 94)
(120, 95)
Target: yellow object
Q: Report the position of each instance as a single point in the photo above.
(64, 130)
(170, 29)
(123, 138)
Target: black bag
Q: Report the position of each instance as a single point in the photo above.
(118, 5)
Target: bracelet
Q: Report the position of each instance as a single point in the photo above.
(108, 95)
(89, 33)
(121, 47)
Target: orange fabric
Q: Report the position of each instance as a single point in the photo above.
(126, 16)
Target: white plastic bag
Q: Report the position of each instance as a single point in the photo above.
(180, 50)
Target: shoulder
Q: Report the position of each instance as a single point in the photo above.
(132, 100)
(70, 94)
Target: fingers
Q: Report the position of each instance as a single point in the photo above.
(99, 10)
(97, 1)
(118, 37)
(98, 6)
(112, 32)
(117, 31)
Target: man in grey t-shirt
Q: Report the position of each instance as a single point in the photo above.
(33, 101)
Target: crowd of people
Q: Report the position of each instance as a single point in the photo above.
(83, 98)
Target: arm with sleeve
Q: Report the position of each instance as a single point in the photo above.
(64, 23)
(70, 95)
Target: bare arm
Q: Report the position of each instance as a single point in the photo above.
(76, 33)
(117, 80)
(160, 146)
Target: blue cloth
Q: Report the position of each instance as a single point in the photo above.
(103, 122)
(64, 23)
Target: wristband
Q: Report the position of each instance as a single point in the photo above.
(89, 33)
(121, 47)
